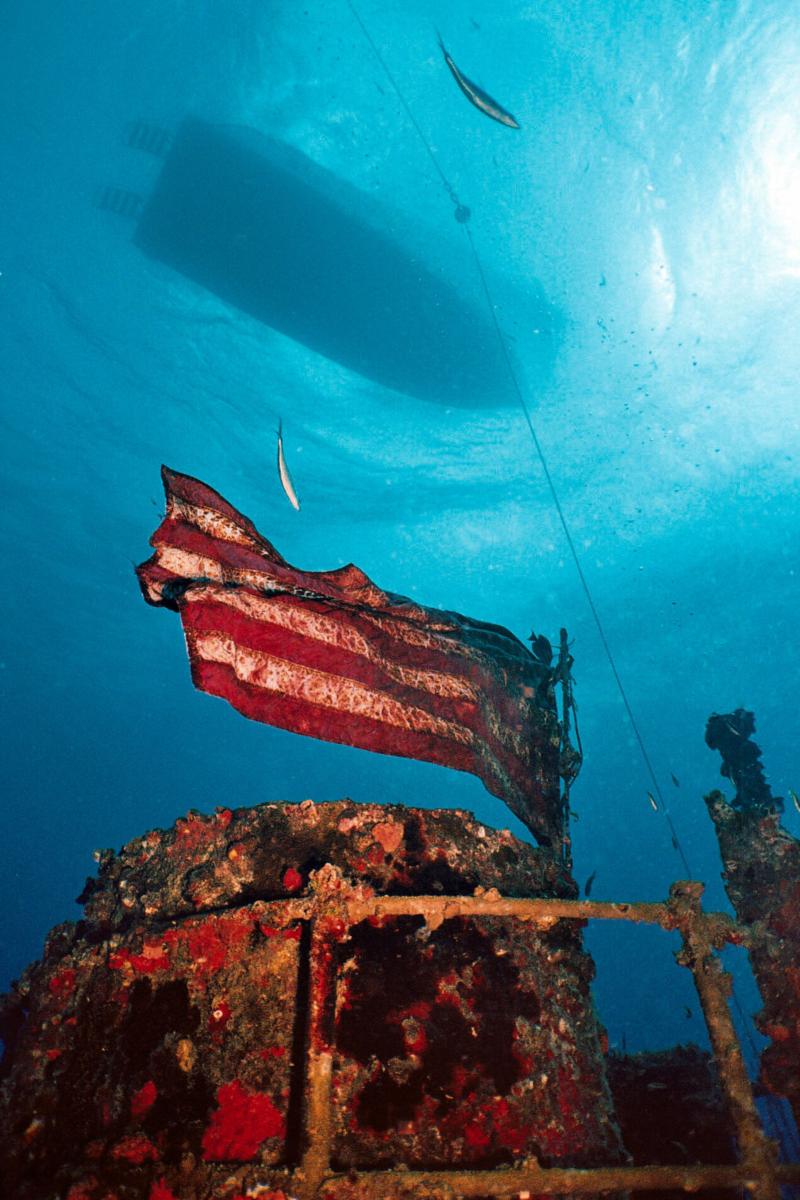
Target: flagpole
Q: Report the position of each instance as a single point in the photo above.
(569, 759)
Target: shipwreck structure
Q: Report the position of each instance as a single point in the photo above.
(310, 1000)
(762, 879)
(350, 1001)
(347, 1002)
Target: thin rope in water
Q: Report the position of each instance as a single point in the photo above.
(409, 112)
(575, 557)
(460, 209)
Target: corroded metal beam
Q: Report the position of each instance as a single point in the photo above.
(758, 1153)
(319, 1054)
(543, 913)
(532, 1180)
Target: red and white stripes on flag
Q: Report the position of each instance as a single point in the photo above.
(328, 654)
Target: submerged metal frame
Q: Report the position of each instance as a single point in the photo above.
(335, 905)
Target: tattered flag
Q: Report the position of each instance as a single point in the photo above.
(331, 655)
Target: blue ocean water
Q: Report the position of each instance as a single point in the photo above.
(639, 236)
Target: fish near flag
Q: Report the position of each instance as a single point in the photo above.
(330, 655)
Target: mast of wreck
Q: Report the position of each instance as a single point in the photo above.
(762, 880)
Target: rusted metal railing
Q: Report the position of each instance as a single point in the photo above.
(336, 905)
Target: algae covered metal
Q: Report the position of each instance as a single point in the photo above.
(237, 1005)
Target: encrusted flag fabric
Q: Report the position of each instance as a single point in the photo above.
(331, 655)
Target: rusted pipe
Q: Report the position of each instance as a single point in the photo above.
(325, 931)
(436, 909)
(513, 1183)
(758, 1153)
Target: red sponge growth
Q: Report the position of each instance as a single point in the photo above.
(241, 1123)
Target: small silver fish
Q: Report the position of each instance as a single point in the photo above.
(653, 801)
(283, 471)
(476, 95)
(587, 887)
(795, 799)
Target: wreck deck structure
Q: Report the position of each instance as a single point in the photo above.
(339, 1001)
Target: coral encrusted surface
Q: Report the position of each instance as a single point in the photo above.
(160, 1049)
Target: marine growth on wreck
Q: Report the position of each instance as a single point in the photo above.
(487, 316)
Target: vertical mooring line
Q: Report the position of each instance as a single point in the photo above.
(462, 215)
